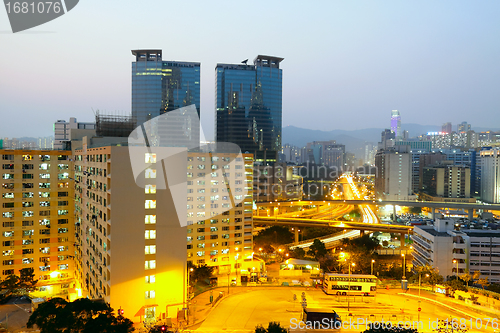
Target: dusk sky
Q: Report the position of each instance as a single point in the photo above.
(347, 63)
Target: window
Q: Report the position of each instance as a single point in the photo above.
(45, 175)
(150, 294)
(11, 205)
(64, 221)
(45, 250)
(44, 166)
(62, 212)
(150, 234)
(150, 173)
(150, 204)
(8, 176)
(150, 249)
(62, 248)
(150, 264)
(28, 241)
(150, 279)
(9, 253)
(150, 219)
(42, 204)
(8, 195)
(8, 233)
(150, 158)
(44, 194)
(63, 267)
(150, 189)
(7, 157)
(28, 194)
(62, 230)
(62, 203)
(8, 214)
(8, 224)
(64, 175)
(62, 194)
(44, 185)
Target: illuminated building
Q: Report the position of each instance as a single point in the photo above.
(37, 218)
(249, 106)
(131, 248)
(393, 178)
(215, 237)
(447, 249)
(445, 180)
(490, 175)
(396, 123)
(446, 128)
(160, 86)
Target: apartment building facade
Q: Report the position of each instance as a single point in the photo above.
(37, 214)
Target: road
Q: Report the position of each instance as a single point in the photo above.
(14, 314)
(242, 312)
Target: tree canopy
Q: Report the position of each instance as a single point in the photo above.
(273, 327)
(81, 316)
(19, 285)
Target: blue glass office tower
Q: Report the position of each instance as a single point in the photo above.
(161, 86)
(248, 104)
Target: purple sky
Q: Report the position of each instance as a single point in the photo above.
(347, 63)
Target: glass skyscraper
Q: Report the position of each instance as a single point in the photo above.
(159, 87)
(396, 123)
(248, 103)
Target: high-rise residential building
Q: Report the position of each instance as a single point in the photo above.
(131, 248)
(463, 127)
(445, 180)
(451, 251)
(387, 139)
(160, 86)
(37, 214)
(219, 232)
(63, 129)
(446, 128)
(328, 153)
(393, 178)
(490, 175)
(396, 123)
(249, 106)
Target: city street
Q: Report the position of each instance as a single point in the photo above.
(14, 314)
(243, 311)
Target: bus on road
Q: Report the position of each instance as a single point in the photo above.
(353, 284)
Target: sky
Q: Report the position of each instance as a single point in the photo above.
(347, 63)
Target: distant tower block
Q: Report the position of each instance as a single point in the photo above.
(396, 123)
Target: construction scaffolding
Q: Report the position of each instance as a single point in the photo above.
(114, 125)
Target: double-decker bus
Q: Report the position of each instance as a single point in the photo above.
(353, 284)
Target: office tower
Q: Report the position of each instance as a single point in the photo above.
(37, 218)
(396, 123)
(328, 153)
(215, 237)
(65, 132)
(490, 175)
(277, 182)
(249, 106)
(388, 138)
(463, 127)
(393, 178)
(446, 128)
(131, 248)
(160, 86)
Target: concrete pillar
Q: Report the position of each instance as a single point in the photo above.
(433, 213)
(402, 241)
(296, 235)
(394, 217)
(471, 214)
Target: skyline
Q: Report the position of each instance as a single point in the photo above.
(333, 54)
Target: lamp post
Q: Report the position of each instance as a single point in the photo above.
(349, 288)
(373, 260)
(236, 264)
(455, 261)
(404, 266)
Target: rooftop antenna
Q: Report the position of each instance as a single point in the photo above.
(244, 61)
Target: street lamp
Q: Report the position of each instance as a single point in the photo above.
(404, 266)
(373, 260)
(188, 285)
(455, 261)
(349, 288)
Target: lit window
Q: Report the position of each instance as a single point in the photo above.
(150, 294)
(150, 204)
(150, 158)
(150, 173)
(150, 219)
(150, 189)
(150, 234)
(150, 279)
(150, 264)
(150, 249)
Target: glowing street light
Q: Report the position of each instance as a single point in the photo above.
(404, 266)
(455, 261)
(373, 260)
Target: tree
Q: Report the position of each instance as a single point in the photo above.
(317, 249)
(450, 326)
(81, 316)
(273, 236)
(273, 327)
(201, 274)
(298, 253)
(456, 283)
(466, 276)
(27, 282)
